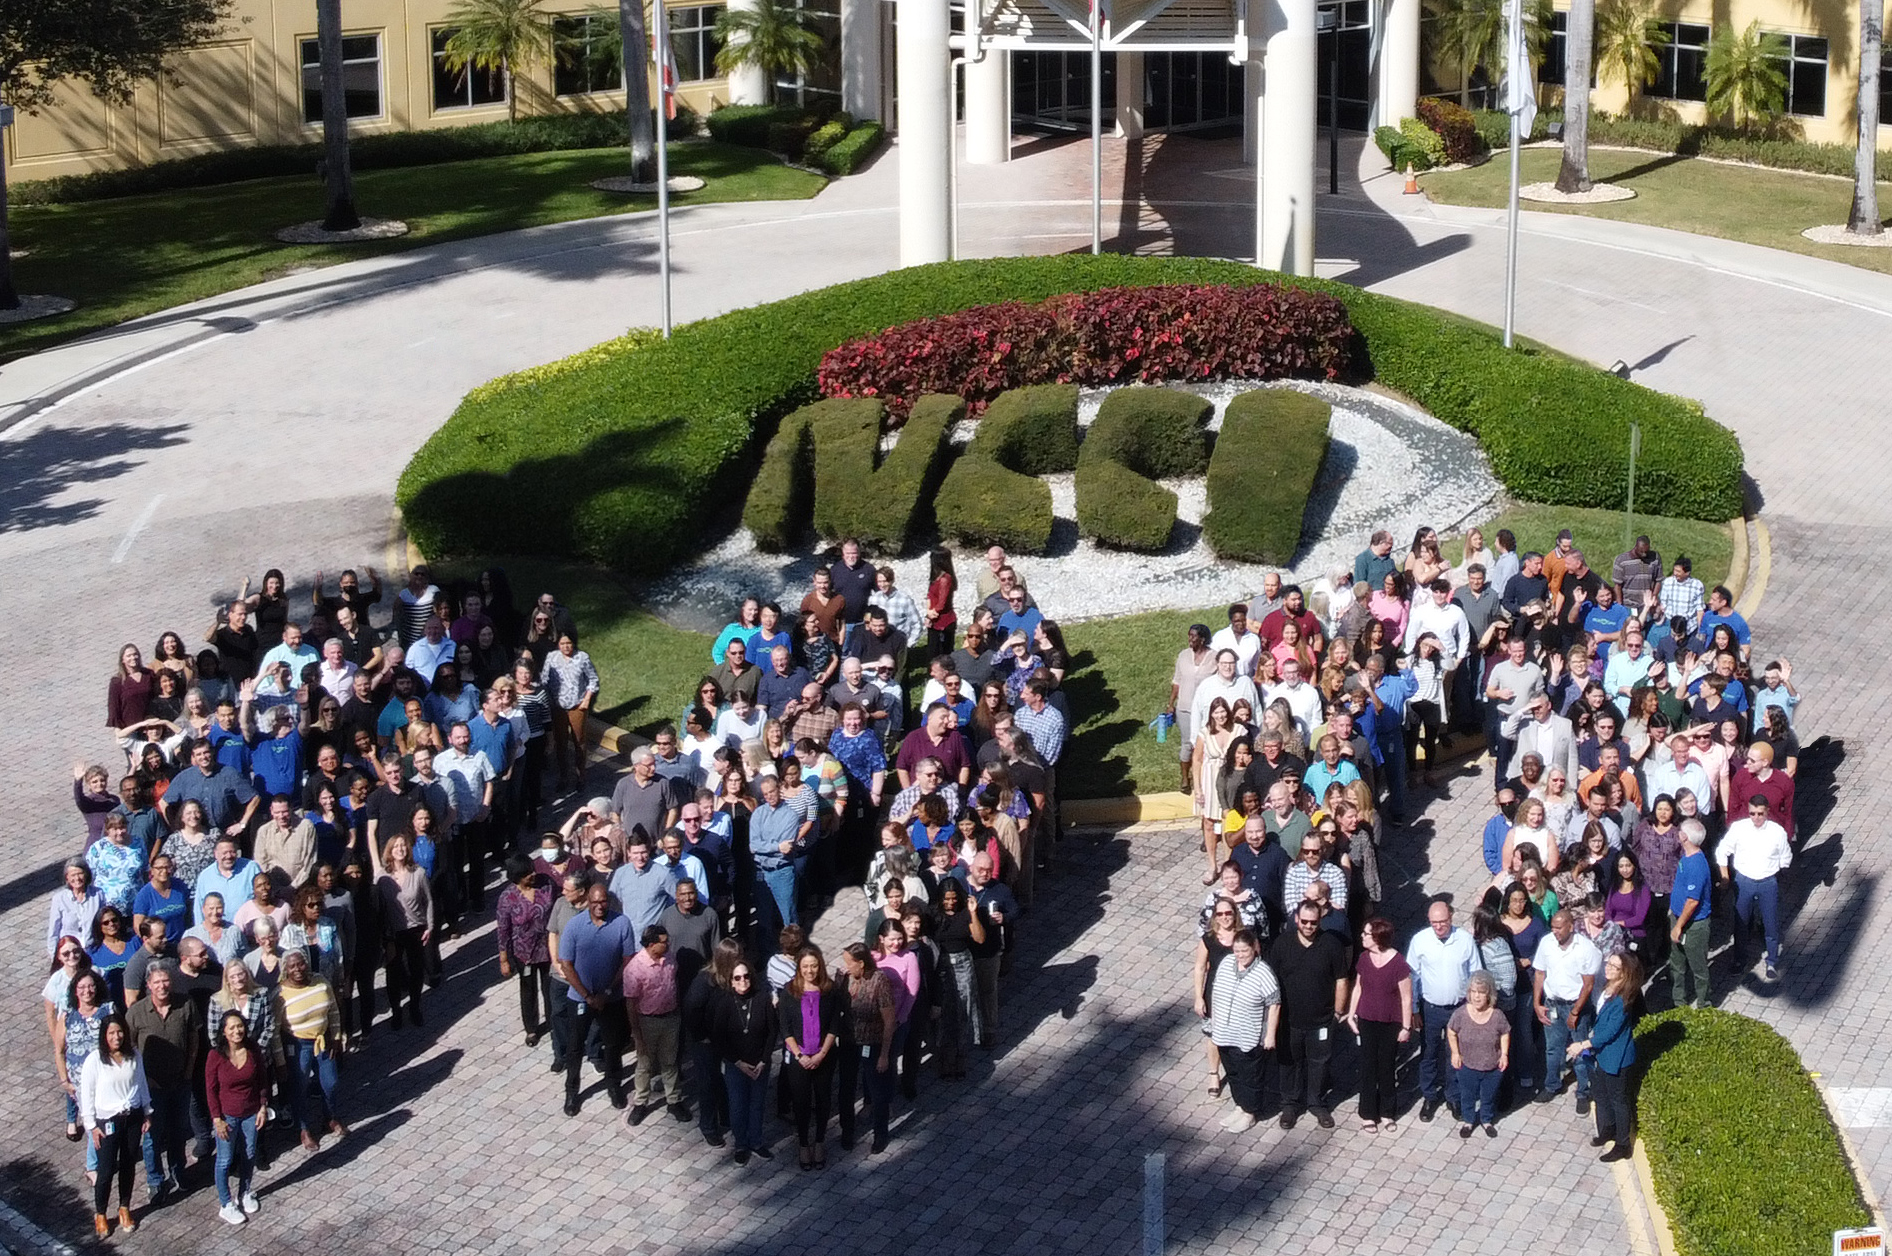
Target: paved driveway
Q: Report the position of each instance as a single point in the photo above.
(145, 473)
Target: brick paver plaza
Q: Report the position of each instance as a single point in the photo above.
(275, 439)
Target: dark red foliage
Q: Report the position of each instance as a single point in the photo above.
(1112, 336)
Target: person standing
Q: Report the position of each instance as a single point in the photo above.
(743, 1032)
(1480, 1037)
(866, 1047)
(1751, 853)
(808, 1014)
(113, 1100)
(236, 1090)
(591, 950)
(1442, 958)
(1311, 966)
(168, 1035)
(521, 917)
(651, 1007)
(1690, 909)
(1612, 1044)
(1195, 663)
(1381, 1016)
(1244, 1023)
(1564, 972)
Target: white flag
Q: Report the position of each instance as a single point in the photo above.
(1516, 90)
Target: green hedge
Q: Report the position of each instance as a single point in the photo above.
(1120, 509)
(552, 133)
(1691, 140)
(1400, 150)
(1745, 1157)
(826, 136)
(1266, 460)
(846, 155)
(1031, 430)
(1141, 435)
(624, 455)
(982, 503)
(748, 125)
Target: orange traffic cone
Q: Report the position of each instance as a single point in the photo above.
(1412, 181)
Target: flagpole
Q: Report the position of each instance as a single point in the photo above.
(1097, 128)
(660, 43)
(1519, 79)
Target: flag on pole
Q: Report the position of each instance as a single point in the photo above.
(1517, 91)
(664, 58)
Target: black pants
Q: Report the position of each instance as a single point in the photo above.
(1427, 723)
(1615, 1115)
(121, 1144)
(712, 1096)
(475, 838)
(855, 1070)
(613, 1031)
(1245, 1072)
(535, 992)
(1379, 1062)
(1303, 1052)
(920, 1028)
(365, 968)
(407, 966)
(532, 780)
(559, 1012)
(811, 1097)
(940, 641)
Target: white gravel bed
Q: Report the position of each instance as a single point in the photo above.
(1388, 465)
(1838, 234)
(1599, 194)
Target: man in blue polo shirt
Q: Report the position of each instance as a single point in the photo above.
(1721, 611)
(774, 828)
(230, 875)
(227, 798)
(1689, 904)
(592, 949)
(492, 736)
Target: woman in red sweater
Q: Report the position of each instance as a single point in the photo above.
(236, 1084)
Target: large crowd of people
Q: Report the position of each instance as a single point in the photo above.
(1643, 771)
(316, 798)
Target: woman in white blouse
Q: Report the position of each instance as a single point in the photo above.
(113, 1100)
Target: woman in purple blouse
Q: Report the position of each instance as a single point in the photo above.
(524, 908)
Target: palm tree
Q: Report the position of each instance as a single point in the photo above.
(1626, 41)
(1574, 174)
(338, 178)
(1745, 81)
(498, 37)
(1863, 218)
(767, 35)
(635, 45)
(1471, 34)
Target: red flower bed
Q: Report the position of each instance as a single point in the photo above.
(1112, 336)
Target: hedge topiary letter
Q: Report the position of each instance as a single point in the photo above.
(1141, 435)
(1266, 460)
(992, 496)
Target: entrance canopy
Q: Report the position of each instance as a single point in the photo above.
(1127, 26)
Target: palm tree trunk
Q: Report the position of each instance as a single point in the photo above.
(512, 90)
(9, 299)
(1863, 218)
(637, 89)
(1574, 175)
(338, 178)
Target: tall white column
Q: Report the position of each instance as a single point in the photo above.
(1285, 235)
(1252, 105)
(989, 109)
(1130, 95)
(860, 58)
(747, 86)
(1398, 78)
(925, 127)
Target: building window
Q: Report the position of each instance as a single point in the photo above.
(467, 86)
(1805, 68)
(823, 84)
(588, 54)
(361, 77)
(693, 41)
(1680, 64)
(1555, 50)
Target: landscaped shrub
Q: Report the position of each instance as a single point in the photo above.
(1121, 509)
(782, 494)
(790, 137)
(1156, 432)
(1256, 331)
(1032, 430)
(886, 511)
(1722, 1095)
(1400, 151)
(1454, 126)
(1267, 457)
(847, 155)
(1423, 138)
(394, 149)
(625, 458)
(982, 503)
(825, 136)
(748, 125)
(1778, 152)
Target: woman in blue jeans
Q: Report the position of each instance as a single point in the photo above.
(236, 1087)
(744, 1036)
(1480, 1038)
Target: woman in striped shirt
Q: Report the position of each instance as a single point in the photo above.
(571, 685)
(314, 1019)
(1245, 1011)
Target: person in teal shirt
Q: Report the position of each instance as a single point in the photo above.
(1612, 1048)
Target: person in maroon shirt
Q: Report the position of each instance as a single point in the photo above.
(1293, 607)
(936, 739)
(1757, 775)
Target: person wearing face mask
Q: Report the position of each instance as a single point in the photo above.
(520, 917)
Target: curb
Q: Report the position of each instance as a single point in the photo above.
(1748, 600)
(1658, 1216)
(1737, 556)
(1866, 1193)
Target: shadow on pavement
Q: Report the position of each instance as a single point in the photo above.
(41, 466)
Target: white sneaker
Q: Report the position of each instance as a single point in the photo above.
(1238, 1121)
(250, 1202)
(232, 1214)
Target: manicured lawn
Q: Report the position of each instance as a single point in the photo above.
(1769, 207)
(1120, 668)
(1599, 534)
(134, 255)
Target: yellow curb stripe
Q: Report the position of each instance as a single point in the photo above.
(1737, 556)
(1749, 601)
(1658, 1218)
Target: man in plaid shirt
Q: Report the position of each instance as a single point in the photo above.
(1682, 594)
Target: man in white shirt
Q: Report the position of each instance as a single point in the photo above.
(425, 656)
(1435, 612)
(1627, 669)
(1677, 775)
(1564, 973)
(468, 776)
(1237, 637)
(1302, 698)
(1509, 686)
(1227, 684)
(338, 674)
(1441, 957)
(1754, 850)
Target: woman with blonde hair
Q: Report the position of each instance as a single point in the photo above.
(407, 924)
(1211, 752)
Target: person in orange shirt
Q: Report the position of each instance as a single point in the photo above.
(1610, 767)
